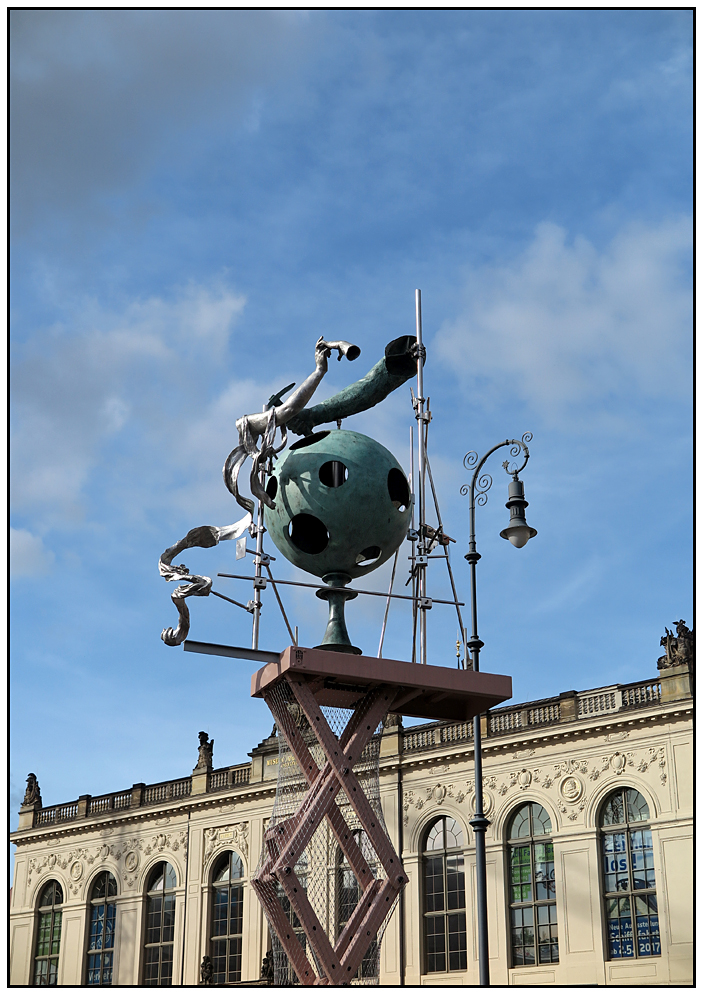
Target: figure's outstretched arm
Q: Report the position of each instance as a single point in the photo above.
(400, 362)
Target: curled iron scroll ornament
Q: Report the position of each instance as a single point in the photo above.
(481, 485)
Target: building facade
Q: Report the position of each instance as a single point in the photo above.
(589, 855)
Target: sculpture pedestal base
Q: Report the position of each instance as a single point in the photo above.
(295, 687)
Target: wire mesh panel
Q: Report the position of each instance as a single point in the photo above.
(344, 867)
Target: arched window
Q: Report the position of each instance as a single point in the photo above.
(101, 935)
(629, 876)
(533, 911)
(348, 894)
(161, 910)
(444, 907)
(46, 954)
(226, 919)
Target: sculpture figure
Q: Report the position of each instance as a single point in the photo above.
(678, 649)
(256, 440)
(205, 751)
(206, 971)
(32, 793)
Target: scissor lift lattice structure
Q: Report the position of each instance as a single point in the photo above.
(310, 680)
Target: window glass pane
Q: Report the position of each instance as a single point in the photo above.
(112, 885)
(523, 936)
(95, 939)
(49, 895)
(521, 886)
(435, 933)
(615, 862)
(44, 934)
(167, 933)
(454, 837)
(434, 885)
(222, 869)
(457, 942)
(219, 923)
(434, 840)
(544, 871)
(109, 935)
(107, 968)
(236, 897)
(99, 887)
(234, 961)
(636, 807)
(154, 919)
(156, 881)
(53, 971)
(56, 933)
(93, 975)
(169, 878)
(541, 821)
(642, 859)
(613, 812)
(237, 866)
(520, 824)
(151, 966)
(219, 958)
(167, 957)
(455, 882)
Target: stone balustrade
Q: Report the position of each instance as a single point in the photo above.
(568, 707)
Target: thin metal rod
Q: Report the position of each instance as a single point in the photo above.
(447, 556)
(357, 591)
(413, 548)
(232, 600)
(258, 564)
(420, 413)
(388, 603)
(281, 605)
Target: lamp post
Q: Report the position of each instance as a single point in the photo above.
(518, 532)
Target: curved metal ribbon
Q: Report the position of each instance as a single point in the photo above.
(193, 584)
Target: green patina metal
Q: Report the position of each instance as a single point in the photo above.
(398, 365)
(342, 508)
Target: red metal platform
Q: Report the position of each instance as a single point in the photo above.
(419, 690)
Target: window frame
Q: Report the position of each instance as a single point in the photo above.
(444, 853)
(534, 904)
(231, 883)
(631, 894)
(161, 944)
(101, 951)
(51, 911)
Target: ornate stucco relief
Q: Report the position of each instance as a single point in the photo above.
(236, 833)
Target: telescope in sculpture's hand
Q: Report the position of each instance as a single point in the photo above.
(399, 364)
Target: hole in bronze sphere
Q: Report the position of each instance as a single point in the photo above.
(398, 489)
(309, 440)
(272, 487)
(333, 474)
(308, 533)
(368, 556)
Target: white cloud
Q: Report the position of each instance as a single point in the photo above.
(28, 555)
(73, 390)
(565, 324)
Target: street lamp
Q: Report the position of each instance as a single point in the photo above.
(518, 532)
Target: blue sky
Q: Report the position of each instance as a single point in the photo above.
(197, 196)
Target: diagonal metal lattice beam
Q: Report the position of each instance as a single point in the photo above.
(286, 842)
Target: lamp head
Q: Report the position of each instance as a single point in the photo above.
(518, 532)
